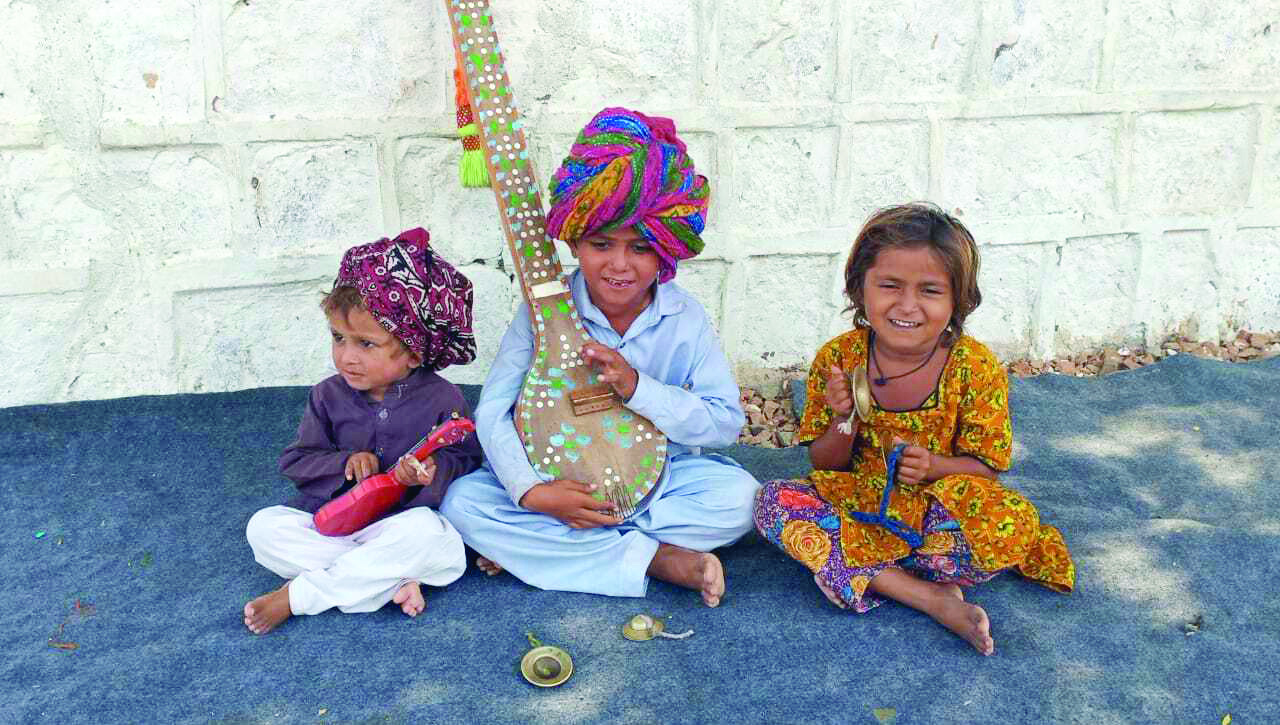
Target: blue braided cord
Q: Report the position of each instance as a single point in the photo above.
(895, 527)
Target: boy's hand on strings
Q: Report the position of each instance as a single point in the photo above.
(411, 472)
(839, 394)
(915, 464)
(361, 465)
(570, 502)
(612, 367)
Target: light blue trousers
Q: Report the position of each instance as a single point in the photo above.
(704, 502)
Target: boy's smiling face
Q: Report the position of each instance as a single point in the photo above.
(620, 268)
(368, 357)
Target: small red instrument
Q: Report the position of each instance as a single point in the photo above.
(375, 495)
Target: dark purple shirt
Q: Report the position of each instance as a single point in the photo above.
(341, 420)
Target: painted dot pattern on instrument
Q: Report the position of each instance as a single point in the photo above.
(557, 368)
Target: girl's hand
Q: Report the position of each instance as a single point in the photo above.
(613, 368)
(915, 464)
(839, 394)
(571, 503)
(409, 474)
(361, 465)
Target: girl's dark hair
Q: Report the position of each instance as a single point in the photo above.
(919, 224)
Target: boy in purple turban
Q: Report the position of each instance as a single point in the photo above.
(398, 314)
(630, 205)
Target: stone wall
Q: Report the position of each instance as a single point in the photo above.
(178, 178)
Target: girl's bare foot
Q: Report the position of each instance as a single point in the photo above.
(690, 569)
(409, 597)
(965, 619)
(268, 611)
(488, 566)
(944, 602)
(831, 594)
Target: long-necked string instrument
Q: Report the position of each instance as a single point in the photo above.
(572, 425)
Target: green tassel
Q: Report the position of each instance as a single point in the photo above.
(472, 171)
(471, 168)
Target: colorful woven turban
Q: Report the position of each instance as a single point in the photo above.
(415, 295)
(627, 169)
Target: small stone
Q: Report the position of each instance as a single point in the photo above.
(1110, 362)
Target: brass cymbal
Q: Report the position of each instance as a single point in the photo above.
(861, 388)
(546, 666)
(642, 627)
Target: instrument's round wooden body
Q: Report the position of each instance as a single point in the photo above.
(573, 426)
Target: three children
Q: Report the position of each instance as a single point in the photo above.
(630, 205)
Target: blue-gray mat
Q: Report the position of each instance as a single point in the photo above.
(123, 523)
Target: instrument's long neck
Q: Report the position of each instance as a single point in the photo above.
(506, 152)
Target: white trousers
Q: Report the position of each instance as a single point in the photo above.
(359, 572)
(703, 503)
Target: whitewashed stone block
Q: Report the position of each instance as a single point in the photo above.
(20, 63)
(171, 200)
(1179, 291)
(888, 164)
(336, 58)
(47, 219)
(778, 52)
(1191, 162)
(595, 53)
(29, 323)
(783, 179)
(1045, 47)
(495, 302)
(1267, 192)
(704, 280)
(121, 345)
(1251, 291)
(1008, 167)
(784, 311)
(1092, 300)
(148, 61)
(905, 51)
(1009, 279)
(464, 223)
(249, 337)
(1185, 44)
(314, 197)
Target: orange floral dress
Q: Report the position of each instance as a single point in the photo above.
(966, 415)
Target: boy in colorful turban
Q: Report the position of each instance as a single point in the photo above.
(630, 205)
(398, 314)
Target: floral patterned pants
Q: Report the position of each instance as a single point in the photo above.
(807, 528)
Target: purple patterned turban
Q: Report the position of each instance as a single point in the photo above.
(415, 295)
(627, 169)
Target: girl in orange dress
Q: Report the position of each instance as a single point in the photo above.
(939, 419)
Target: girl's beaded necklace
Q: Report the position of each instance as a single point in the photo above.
(882, 379)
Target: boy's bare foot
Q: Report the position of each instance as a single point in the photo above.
(268, 611)
(409, 597)
(831, 594)
(965, 619)
(690, 569)
(488, 566)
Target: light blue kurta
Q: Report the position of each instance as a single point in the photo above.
(701, 501)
